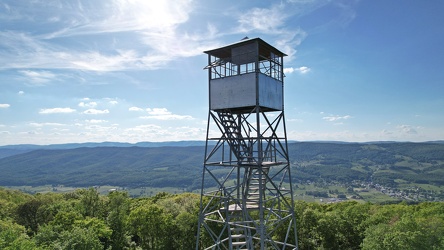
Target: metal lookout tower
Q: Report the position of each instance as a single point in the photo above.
(246, 195)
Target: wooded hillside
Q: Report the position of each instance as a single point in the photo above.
(86, 220)
(387, 164)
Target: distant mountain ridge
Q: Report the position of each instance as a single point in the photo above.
(179, 164)
(10, 150)
(106, 144)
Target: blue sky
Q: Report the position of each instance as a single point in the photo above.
(131, 71)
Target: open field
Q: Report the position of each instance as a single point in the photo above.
(305, 192)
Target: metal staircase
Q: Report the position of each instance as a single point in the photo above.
(242, 228)
(256, 185)
(239, 231)
(234, 138)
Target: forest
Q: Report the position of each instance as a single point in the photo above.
(85, 219)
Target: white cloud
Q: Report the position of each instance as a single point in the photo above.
(333, 118)
(302, 70)
(135, 109)
(95, 111)
(153, 28)
(87, 104)
(125, 15)
(56, 110)
(343, 16)
(92, 104)
(167, 117)
(407, 129)
(271, 21)
(289, 70)
(164, 114)
(4, 105)
(95, 121)
(96, 61)
(36, 124)
(158, 111)
(150, 26)
(41, 76)
(263, 19)
(21, 92)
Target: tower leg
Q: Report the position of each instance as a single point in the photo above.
(246, 193)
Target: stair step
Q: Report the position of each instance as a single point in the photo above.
(256, 185)
(237, 236)
(253, 193)
(239, 243)
(255, 198)
(257, 181)
(252, 204)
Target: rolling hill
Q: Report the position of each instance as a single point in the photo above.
(119, 166)
(384, 163)
(180, 165)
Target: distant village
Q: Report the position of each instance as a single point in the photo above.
(357, 188)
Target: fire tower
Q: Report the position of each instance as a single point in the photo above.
(246, 195)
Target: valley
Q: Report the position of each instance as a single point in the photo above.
(321, 171)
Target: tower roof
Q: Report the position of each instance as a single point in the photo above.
(264, 48)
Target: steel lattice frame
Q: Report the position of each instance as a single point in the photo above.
(247, 200)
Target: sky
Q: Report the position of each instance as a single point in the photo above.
(132, 70)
